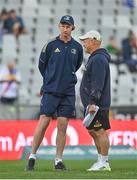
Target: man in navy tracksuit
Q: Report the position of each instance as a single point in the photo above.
(95, 91)
(58, 63)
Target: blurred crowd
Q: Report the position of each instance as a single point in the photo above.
(11, 23)
(124, 53)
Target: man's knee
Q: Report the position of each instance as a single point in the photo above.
(43, 122)
(62, 124)
(99, 133)
(92, 132)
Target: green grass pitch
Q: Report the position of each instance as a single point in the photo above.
(121, 169)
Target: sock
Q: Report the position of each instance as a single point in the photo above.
(99, 157)
(104, 158)
(57, 160)
(33, 156)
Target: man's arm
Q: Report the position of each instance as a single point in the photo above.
(98, 74)
(44, 58)
(18, 78)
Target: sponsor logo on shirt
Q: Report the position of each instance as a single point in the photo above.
(97, 124)
(57, 50)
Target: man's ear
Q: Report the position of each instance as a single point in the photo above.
(73, 28)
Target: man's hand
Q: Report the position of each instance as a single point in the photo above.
(92, 108)
(10, 77)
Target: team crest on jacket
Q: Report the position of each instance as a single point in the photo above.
(73, 51)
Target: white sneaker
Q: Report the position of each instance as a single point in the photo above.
(98, 166)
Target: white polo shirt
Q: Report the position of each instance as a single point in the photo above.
(8, 89)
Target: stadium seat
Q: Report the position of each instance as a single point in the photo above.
(123, 21)
(44, 11)
(30, 3)
(9, 47)
(108, 21)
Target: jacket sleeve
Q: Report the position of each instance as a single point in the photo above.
(98, 74)
(80, 58)
(44, 58)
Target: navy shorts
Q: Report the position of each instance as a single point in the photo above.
(100, 121)
(62, 106)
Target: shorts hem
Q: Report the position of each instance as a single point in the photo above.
(65, 116)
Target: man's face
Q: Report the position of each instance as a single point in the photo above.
(88, 45)
(10, 66)
(13, 15)
(4, 17)
(65, 29)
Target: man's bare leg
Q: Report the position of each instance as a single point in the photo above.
(92, 133)
(101, 141)
(39, 132)
(38, 137)
(61, 136)
(60, 141)
(102, 144)
(102, 138)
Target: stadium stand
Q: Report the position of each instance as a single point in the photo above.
(41, 17)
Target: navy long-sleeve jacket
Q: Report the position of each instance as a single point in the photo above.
(58, 63)
(95, 85)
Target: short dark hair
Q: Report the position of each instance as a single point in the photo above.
(4, 11)
(12, 11)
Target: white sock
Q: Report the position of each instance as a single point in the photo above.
(57, 160)
(33, 156)
(99, 157)
(104, 159)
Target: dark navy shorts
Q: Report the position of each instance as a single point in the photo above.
(62, 106)
(100, 121)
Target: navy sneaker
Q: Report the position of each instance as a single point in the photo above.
(60, 166)
(30, 165)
